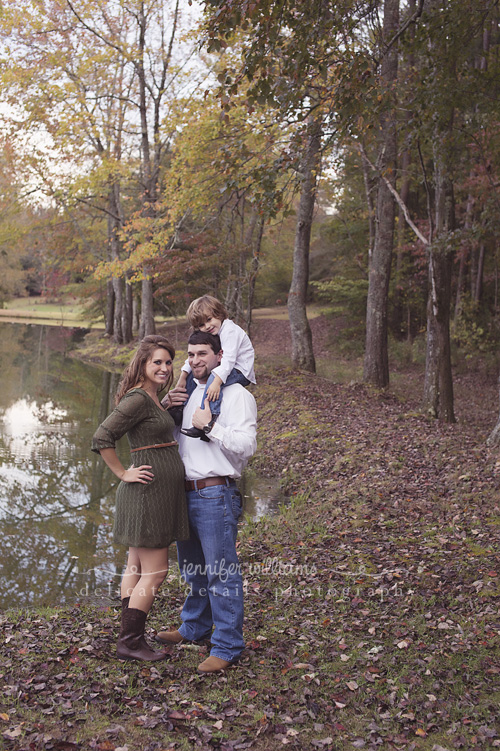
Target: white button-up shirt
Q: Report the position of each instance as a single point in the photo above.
(232, 440)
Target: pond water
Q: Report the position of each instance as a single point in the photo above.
(56, 496)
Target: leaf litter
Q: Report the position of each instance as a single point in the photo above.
(372, 616)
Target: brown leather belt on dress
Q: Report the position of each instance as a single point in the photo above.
(154, 446)
(207, 482)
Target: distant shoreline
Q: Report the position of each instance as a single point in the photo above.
(8, 317)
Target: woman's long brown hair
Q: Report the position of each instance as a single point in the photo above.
(134, 372)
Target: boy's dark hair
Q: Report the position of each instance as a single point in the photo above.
(203, 337)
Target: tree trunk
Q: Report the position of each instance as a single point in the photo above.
(128, 333)
(478, 292)
(147, 325)
(118, 289)
(136, 322)
(399, 312)
(398, 306)
(369, 188)
(152, 144)
(464, 254)
(493, 439)
(376, 363)
(438, 383)
(110, 308)
(302, 346)
(115, 224)
(254, 269)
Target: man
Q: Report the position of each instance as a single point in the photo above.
(208, 560)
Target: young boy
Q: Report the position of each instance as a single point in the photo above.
(208, 314)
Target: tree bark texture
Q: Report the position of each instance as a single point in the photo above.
(128, 327)
(464, 255)
(478, 292)
(110, 308)
(438, 382)
(493, 439)
(114, 227)
(398, 305)
(152, 145)
(118, 289)
(147, 324)
(122, 332)
(376, 362)
(254, 270)
(369, 189)
(302, 346)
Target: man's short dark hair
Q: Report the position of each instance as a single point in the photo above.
(203, 337)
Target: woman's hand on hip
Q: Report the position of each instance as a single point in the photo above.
(138, 474)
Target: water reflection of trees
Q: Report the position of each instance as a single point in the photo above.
(56, 497)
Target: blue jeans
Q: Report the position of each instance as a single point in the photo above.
(235, 376)
(209, 565)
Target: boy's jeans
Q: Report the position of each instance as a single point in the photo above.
(235, 376)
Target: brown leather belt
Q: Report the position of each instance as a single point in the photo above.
(207, 482)
(154, 446)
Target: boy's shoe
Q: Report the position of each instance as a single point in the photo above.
(194, 433)
(197, 432)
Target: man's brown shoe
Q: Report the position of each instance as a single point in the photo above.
(214, 665)
(169, 637)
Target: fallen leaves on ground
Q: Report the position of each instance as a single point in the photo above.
(372, 616)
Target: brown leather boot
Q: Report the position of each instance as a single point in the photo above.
(214, 665)
(125, 604)
(131, 643)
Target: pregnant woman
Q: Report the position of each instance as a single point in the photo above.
(150, 500)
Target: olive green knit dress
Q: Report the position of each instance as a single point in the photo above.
(152, 515)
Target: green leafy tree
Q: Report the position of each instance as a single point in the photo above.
(17, 220)
(93, 81)
(452, 95)
(222, 184)
(376, 363)
(300, 59)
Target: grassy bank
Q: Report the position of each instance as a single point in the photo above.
(65, 312)
(38, 309)
(72, 312)
(372, 615)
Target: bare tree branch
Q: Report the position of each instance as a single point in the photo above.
(396, 196)
(403, 28)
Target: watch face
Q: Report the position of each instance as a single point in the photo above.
(207, 428)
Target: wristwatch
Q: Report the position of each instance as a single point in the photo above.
(208, 428)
